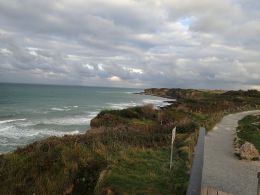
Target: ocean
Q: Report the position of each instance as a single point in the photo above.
(33, 112)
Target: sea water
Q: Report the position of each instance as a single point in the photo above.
(33, 112)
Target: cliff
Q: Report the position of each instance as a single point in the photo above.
(178, 93)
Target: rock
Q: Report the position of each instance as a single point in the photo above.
(237, 146)
(249, 152)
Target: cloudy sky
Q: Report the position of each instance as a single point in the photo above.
(131, 43)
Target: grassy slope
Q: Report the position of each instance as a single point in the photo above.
(126, 151)
(249, 130)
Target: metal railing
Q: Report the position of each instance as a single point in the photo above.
(197, 166)
(258, 186)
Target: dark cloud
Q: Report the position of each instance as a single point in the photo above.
(164, 43)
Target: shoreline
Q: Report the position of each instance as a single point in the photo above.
(160, 101)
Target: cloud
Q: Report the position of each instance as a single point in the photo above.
(162, 43)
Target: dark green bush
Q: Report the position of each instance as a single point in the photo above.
(187, 128)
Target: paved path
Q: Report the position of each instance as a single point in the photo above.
(222, 170)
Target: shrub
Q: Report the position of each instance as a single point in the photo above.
(148, 111)
(108, 120)
(187, 128)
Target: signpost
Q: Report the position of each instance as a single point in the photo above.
(173, 138)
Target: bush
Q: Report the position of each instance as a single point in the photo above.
(187, 128)
(108, 120)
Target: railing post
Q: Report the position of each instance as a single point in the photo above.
(258, 186)
(197, 166)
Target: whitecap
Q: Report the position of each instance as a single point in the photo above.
(72, 120)
(121, 105)
(12, 120)
(60, 109)
(133, 92)
(17, 133)
(69, 121)
(47, 132)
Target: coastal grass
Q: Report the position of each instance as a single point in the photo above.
(146, 170)
(249, 130)
(50, 166)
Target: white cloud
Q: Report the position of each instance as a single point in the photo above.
(5, 51)
(134, 70)
(115, 78)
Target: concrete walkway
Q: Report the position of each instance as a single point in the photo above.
(222, 170)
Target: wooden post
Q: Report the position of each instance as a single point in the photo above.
(258, 186)
(173, 138)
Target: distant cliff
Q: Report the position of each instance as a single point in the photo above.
(178, 93)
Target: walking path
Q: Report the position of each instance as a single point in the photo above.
(222, 170)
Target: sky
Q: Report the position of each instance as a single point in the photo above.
(131, 43)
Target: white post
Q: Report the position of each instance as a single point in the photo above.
(173, 138)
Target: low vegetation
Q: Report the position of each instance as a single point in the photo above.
(125, 151)
(249, 130)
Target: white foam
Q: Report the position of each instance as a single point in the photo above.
(47, 132)
(60, 109)
(17, 133)
(92, 115)
(151, 101)
(155, 102)
(65, 108)
(121, 105)
(4, 128)
(11, 144)
(12, 120)
(72, 120)
(158, 102)
(72, 133)
(69, 121)
(133, 92)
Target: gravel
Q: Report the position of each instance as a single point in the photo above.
(222, 170)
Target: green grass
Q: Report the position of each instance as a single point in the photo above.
(146, 171)
(249, 130)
